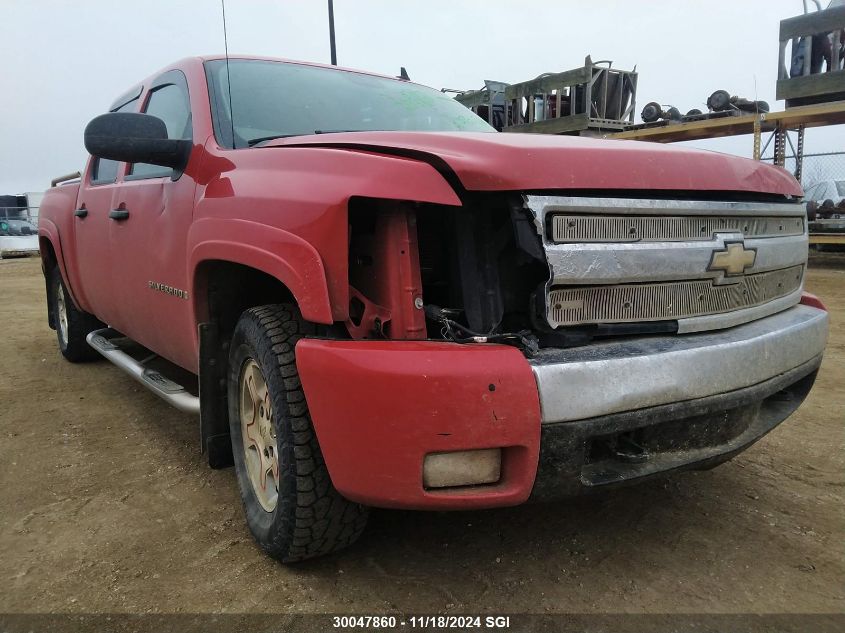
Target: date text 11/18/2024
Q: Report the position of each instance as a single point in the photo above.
(390, 622)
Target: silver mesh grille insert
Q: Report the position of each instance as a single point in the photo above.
(615, 228)
(672, 300)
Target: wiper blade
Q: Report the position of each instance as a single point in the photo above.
(255, 141)
(261, 139)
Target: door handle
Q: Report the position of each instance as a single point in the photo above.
(81, 213)
(119, 214)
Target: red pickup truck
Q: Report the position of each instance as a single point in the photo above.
(371, 298)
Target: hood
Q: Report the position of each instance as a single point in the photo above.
(512, 162)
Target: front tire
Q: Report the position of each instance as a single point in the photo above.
(72, 324)
(291, 507)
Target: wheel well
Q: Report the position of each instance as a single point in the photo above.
(224, 290)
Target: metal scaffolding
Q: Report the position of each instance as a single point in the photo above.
(777, 124)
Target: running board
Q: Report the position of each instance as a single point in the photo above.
(164, 388)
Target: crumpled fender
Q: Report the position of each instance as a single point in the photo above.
(293, 210)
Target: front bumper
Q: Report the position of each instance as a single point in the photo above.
(577, 457)
(616, 376)
(565, 422)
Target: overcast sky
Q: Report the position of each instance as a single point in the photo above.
(63, 62)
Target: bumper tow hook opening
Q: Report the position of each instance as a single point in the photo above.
(625, 449)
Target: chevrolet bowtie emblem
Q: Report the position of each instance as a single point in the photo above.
(734, 259)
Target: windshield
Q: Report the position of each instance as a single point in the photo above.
(272, 99)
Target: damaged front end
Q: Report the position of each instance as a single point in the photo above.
(636, 336)
(537, 271)
(464, 274)
(557, 271)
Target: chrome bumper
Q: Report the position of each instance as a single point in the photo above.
(617, 376)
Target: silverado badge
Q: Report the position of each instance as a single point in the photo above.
(168, 290)
(734, 259)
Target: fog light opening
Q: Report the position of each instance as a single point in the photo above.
(462, 468)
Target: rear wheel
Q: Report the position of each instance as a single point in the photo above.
(72, 324)
(291, 507)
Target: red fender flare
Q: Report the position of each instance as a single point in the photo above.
(280, 254)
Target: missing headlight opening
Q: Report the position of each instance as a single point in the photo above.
(472, 269)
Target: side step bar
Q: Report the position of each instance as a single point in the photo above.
(164, 388)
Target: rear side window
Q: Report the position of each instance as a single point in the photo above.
(104, 171)
(170, 104)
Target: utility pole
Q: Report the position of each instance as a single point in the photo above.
(331, 33)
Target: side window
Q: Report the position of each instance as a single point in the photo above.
(170, 104)
(104, 171)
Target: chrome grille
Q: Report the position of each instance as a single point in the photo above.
(672, 300)
(618, 228)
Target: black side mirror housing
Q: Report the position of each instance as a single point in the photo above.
(132, 137)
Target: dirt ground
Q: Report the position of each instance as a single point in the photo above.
(106, 505)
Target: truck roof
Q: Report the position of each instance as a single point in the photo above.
(206, 58)
(136, 88)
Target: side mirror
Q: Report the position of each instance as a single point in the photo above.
(132, 137)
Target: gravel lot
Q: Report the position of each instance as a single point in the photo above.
(106, 505)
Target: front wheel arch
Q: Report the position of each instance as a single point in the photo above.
(223, 290)
(286, 257)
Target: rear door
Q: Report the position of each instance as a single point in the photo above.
(154, 209)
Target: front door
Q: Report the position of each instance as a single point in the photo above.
(148, 233)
